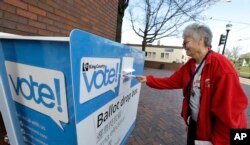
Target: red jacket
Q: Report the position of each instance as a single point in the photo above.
(223, 101)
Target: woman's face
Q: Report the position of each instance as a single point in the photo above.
(191, 46)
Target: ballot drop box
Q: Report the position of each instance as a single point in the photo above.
(77, 90)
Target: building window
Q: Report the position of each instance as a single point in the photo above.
(165, 55)
(162, 55)
(149, 54)
(153, 54)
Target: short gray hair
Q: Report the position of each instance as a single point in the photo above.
(197, 31)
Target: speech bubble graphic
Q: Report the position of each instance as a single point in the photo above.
(97, 76)
(40, 89)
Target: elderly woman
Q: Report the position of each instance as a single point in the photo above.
(214, 101)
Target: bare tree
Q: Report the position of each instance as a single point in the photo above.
(228, 54)
(122, 5)
(156, 19)
(233, 54)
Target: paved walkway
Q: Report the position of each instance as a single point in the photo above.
(158, 119)
(245, 81)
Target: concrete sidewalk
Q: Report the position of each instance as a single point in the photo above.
(158, 120)
(245, 81)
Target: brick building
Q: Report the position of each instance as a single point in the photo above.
(57, 18)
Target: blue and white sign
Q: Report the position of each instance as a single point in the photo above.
(7, 107)
(97, 76)
(78, 90)
(39, 78)
(107, 97)
(40, 89)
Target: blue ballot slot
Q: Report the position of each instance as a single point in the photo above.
(77, 90)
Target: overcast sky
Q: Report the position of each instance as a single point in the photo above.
(236, 12)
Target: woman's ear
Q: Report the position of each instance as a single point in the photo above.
(202, 41)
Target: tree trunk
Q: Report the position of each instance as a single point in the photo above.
(144, 45)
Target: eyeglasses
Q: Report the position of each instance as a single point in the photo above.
(185, 43)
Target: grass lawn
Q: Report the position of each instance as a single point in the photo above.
(244, 71)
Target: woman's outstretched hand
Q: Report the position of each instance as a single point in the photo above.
(141, 79)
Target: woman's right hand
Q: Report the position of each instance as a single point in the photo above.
(141, 79)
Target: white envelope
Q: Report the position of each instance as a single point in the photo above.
(200, 142)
